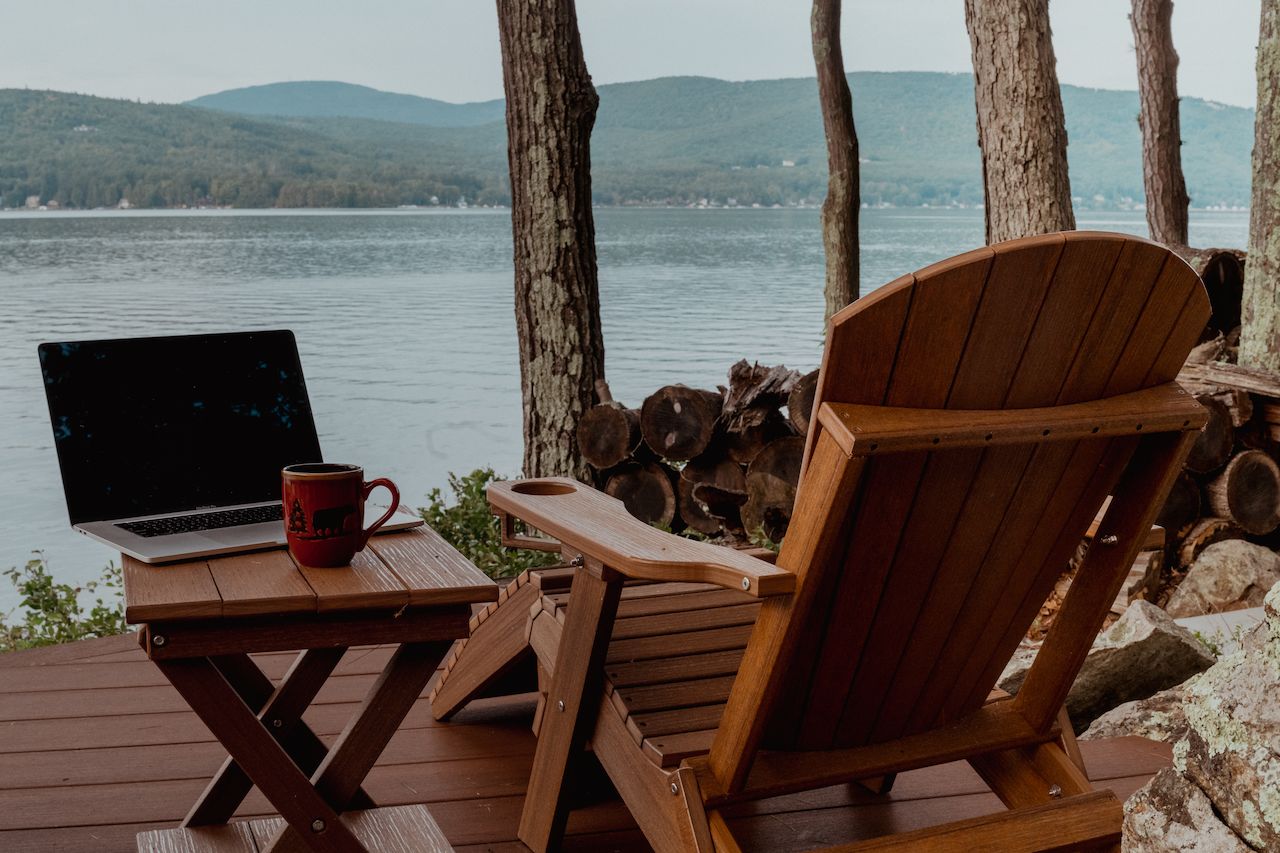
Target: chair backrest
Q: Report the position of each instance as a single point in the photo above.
(941, 560)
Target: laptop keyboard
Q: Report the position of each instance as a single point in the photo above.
(204, 521)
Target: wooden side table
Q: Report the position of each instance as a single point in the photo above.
(199, 622)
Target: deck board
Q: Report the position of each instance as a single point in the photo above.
(95, 748)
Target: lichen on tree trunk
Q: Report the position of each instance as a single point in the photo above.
(1260, 311)
(1166, 189)
(551, 108)
(840, 209)
(1021, 131)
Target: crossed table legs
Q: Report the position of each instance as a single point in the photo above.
(272, 747)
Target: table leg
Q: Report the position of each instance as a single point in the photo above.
(285, 704)
(362, 741)
(220, 707)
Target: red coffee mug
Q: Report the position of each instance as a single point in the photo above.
(323, 511)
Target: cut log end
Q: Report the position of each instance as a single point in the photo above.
(678, 422)
(1248, 492)
(608, 434)
(716, 489)
(1204, 533)
(647, 491)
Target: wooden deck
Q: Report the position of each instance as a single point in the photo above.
(96, 747)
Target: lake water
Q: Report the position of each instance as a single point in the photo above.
(404, 319)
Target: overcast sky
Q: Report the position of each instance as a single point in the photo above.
(174, 50)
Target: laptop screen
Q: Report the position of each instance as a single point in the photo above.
(153, 425)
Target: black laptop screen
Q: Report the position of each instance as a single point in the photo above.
(154, 425)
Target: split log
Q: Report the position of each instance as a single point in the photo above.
(1204, 533)
(710, 494)
(771, 487)
(1213, 447)
(753, 392)
(1250, 379)
(800, 402)
(745, 445)
(1248, 492)
(647, 491)
(1182, 508)
(677, 422)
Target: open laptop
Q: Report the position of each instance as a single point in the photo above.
(171, 447)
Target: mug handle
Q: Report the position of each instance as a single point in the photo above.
(365, 490)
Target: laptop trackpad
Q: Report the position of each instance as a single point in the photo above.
(266, 533)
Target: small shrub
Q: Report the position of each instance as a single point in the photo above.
(52, 613)
(469, 526)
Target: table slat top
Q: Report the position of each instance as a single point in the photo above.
(410, 568)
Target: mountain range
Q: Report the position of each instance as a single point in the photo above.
(675, 140)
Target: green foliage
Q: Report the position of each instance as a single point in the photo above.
(52, 612)
(470, 527)
(1213, 646)
(674, 140)
(761, 539)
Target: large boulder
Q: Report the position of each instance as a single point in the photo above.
(1172, 815)
(1143, 653)
(1230, 753)
(1227, 575)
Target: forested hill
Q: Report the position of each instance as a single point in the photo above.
(318, 99)
(672, 140)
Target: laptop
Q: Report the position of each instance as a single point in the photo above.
(171, 447)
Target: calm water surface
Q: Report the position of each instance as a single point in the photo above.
(404, 319)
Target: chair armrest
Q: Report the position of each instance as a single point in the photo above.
(862, 430)
(598, 527)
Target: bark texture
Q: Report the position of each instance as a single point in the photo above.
(1021, 131)
(551, 108)
(1260, 311)
(1158, 118)
(840, 210)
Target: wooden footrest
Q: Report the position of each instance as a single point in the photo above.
(407, 828)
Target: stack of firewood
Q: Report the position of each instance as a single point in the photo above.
(1230, 487)
(724, 463)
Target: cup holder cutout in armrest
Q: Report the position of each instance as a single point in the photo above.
(541, 487)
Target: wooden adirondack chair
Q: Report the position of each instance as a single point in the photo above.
(970, 421)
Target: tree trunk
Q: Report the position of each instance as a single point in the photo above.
(840, 210)
(1260, 332)
(551, 108)
(1158, 118)
(1021, 131)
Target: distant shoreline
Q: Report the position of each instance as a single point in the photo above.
(492, 209)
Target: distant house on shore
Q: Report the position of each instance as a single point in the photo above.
(33, 202)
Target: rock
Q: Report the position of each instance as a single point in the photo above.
(1142, 653)
(1232, 747)
(1227, 575)
(1159, 717)
(1171, 815)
